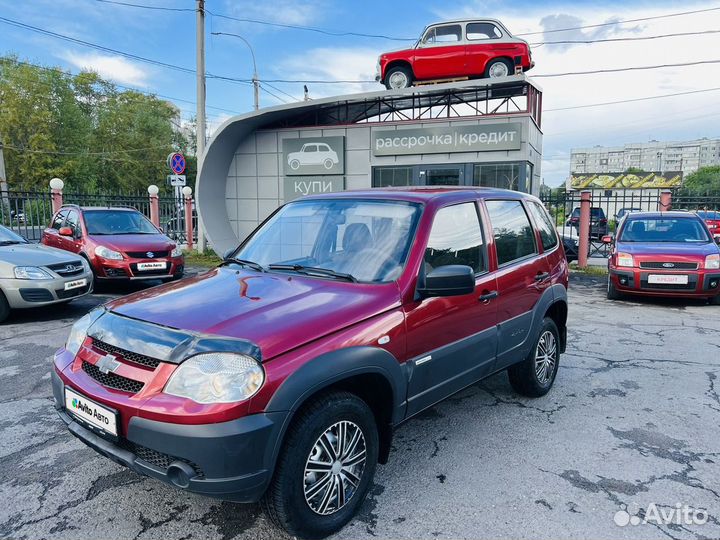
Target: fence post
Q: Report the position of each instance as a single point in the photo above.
(584, 230)
(187, 192)
(154, 205)
(665, 200)
(56, 194)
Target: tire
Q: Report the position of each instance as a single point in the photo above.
(528, 377)
(295, 164)
(286, 500)
(499, 67)
(398, 77)
(4, 308)
(612, 292)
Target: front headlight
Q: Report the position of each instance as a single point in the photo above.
(216, 378)
(78, 332)
(176, 252)
(624, 259)
(31, 272)
(107, 253)
(712, 262)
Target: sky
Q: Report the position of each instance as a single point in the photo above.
(294, 54)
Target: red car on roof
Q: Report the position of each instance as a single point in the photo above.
(664, 254)
(456, 49)
(119, 243)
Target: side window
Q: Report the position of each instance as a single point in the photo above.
(456, 238)
(481, 31)
(514, 236)
(58, 220)
(451, 33)
(73, 222)
(547, 231)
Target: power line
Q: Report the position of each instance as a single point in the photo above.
(634, 68)
(612, 23)
(273, 94)
(142, 6)
(609, 40)
(281, 91)
(647, 98)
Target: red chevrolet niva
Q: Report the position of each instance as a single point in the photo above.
(281, 374)
(664, 254)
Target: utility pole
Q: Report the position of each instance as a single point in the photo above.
(200, 115)
(255, 78)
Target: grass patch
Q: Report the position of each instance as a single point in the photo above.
(206, 260)
(590, 270)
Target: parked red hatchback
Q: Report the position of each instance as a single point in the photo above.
(712, 220)
(456, 49)
(119, 243)
(664, 254)
(282, 373)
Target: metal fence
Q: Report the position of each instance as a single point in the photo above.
(29, 212)
(608, 207)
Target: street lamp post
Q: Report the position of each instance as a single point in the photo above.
(255, 79)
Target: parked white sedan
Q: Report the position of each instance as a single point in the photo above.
(33, 275)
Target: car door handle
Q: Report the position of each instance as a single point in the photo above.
(488, 296)
(542, 276)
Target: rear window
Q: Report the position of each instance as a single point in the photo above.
(664, 230)
(548, 235)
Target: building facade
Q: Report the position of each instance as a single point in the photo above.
(472, 133)
(684, 157)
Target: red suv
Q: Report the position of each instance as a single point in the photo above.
(664, 254)
(453, 50)
(119, 243)
(282, 373)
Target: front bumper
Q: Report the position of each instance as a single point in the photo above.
(28, 293)
(701, 283)
(127, 269)
(228, 460)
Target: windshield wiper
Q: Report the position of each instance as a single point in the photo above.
(313, 270)
(249, 264)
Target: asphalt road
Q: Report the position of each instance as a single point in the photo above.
(633, 421)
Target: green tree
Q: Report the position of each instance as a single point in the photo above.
(704, 181)
(84, 130)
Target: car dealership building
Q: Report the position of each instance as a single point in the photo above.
(470, 133)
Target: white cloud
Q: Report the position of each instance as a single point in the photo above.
(306, 12)
(115, 68)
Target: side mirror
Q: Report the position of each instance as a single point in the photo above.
(449, 280)
(228, 254)
(607, 239)
(65, 231)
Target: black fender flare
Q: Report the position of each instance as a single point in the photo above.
(552, 295)
(330, 368)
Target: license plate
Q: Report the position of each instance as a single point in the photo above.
(668, 279)
(156, 265)
(91, 412)
(76, 283)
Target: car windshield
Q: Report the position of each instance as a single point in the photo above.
(664, 230)
(361, 240)
(117, 222)
(8, 238)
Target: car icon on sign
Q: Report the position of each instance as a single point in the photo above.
(313, 154)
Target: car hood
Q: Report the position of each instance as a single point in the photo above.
(276, 311)
(667, 249)
(34, 255)
(134, 242)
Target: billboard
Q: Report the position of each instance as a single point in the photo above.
(314, 156)
(636, 180)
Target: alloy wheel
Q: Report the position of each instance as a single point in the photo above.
(499, 69)
(545, 357)
(334, 468)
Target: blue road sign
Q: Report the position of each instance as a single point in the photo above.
(176, 162)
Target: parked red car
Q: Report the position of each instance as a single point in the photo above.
(664, 254)
(119, 243)
(456, 49)
(712, 220)
(283, 372)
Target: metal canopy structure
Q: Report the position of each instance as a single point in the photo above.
(515, 95)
